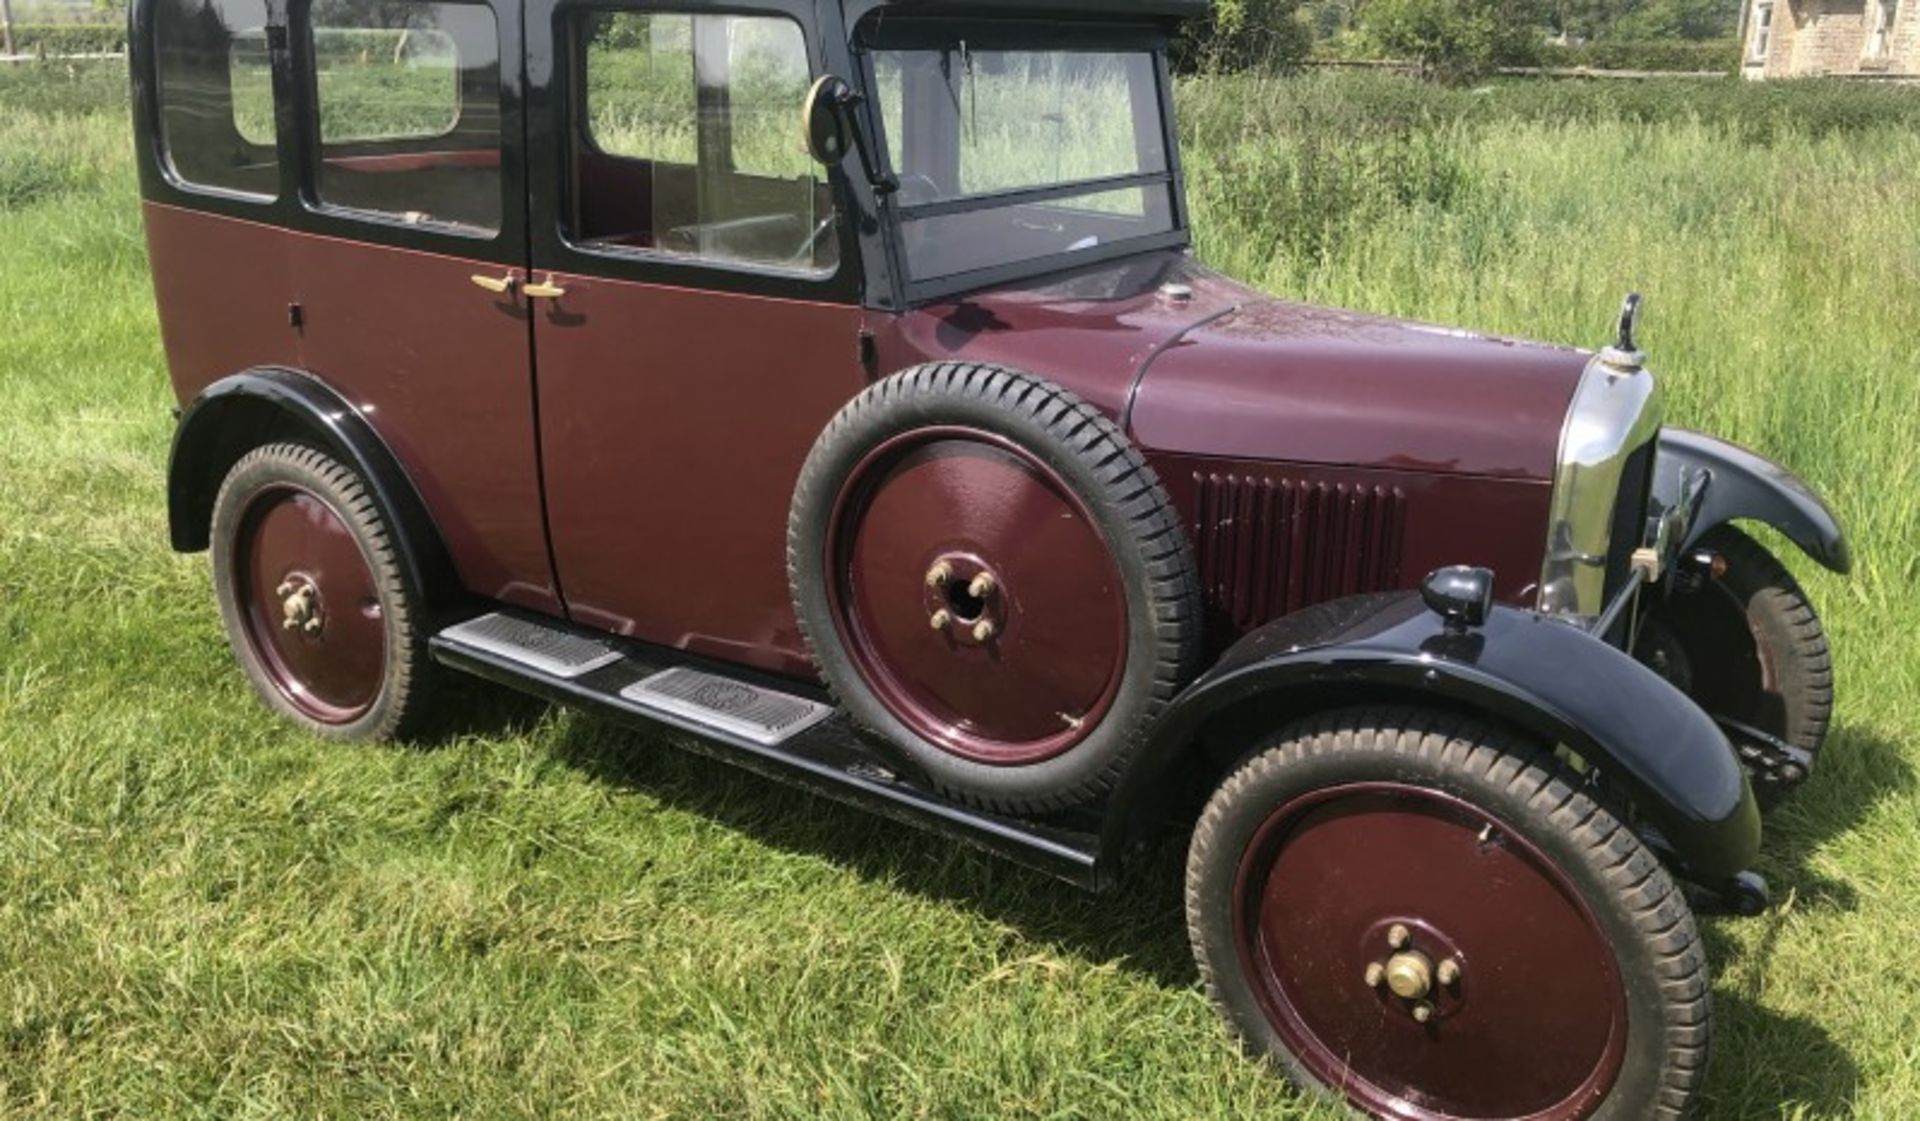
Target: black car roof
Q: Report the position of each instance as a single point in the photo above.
(1155, 10)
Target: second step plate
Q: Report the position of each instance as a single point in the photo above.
(754, 713)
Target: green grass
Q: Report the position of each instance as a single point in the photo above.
(205, 914)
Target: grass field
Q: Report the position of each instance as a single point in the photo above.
(203, 914)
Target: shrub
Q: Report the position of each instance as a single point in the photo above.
(1244, 35)
(69, 38)
(62, 89)
(1455, 40)
(1719, 55)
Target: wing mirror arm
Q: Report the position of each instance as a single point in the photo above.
(832, 120)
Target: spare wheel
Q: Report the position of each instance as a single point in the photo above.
(991, 577)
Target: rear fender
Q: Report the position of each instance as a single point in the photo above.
(239, 413)
(1740, 484)
(1542, 676)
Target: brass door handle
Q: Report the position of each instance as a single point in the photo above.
(545, 290)
(498, 285)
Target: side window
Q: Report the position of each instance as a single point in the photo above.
(408, 97)
(216, 95)
(687, 142)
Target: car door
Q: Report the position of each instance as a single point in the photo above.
(408, 265)
(697, 322)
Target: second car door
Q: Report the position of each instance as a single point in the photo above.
(695, 321)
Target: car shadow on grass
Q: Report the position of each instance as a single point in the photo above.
(1857, 770)
(1762, 1058)
(1766, 1064)
(1138, 925)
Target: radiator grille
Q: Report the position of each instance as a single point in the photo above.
(1271, 545)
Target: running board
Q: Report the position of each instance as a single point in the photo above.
(747, 721)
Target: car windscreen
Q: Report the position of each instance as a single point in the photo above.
(1007, 157)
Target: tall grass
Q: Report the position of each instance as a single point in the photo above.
(203, 914)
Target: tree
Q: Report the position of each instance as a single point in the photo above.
(1455, 40)
(1244, 35)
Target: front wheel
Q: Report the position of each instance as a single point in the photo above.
(1428, 916)
(1747, 647)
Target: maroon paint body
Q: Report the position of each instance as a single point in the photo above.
(1412, 446)
(675, 422)
(441, 368)
(1313, 453)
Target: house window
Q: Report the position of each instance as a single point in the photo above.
(408, 97)
(1762, 29)
(687, 142)
(216, 96)
(1880, 35)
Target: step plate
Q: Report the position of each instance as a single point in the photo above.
(761, 715)
(537, 647)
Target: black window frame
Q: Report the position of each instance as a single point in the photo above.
(293, 210)
(334, 217)
(559, 123)
(158, 169)
(908, 32)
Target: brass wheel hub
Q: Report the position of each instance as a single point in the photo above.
(1412, 977)
(300, 606)
(964, 600)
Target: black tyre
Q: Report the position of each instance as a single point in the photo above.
(1430, 917)
(991, 577)
(312, 596)
(1748, 646)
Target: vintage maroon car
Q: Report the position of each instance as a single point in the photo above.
(831, 384)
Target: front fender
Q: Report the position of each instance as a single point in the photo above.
(1740, 484)
(1540, 675)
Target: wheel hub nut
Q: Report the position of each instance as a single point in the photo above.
(1409, 975)
(298, 600)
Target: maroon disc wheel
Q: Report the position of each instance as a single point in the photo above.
(977, 596)
(991, 577)
(1424, 915)
(311, 595)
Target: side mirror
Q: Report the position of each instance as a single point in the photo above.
(832, 128)
(827, 118)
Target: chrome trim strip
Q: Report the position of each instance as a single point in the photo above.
(1616, 409)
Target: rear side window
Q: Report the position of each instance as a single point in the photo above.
(216, 96)
(688, 142)
(408, 97)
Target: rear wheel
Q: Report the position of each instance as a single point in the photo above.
(1428, 917)
(312, 595)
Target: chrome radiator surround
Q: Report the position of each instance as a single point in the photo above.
(1616, 411)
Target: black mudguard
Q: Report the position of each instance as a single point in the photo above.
(1740, 484)
(1542, 676)
(239, 413)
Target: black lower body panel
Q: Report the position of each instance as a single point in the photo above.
(828, 756)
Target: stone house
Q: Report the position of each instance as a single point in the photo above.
(1853, 38)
